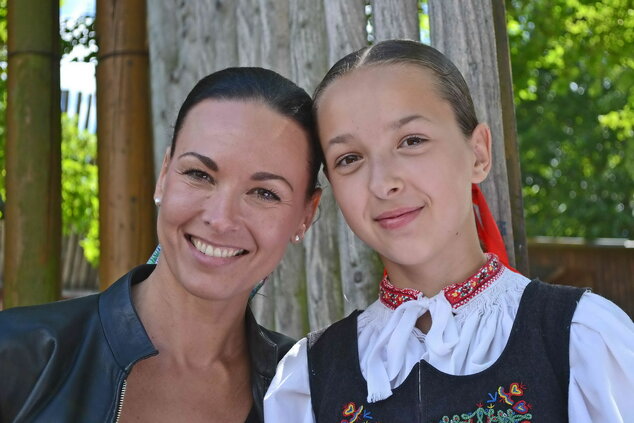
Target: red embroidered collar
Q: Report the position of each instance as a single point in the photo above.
(457, 294)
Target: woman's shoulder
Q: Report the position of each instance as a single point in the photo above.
(22, 324)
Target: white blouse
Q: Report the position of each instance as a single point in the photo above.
(467, 339)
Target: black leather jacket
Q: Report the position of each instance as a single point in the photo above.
(67, 361)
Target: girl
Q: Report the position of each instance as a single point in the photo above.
(455, 336)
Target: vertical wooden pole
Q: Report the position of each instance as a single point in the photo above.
(361, 269)
(126, 183)
(395, 19)
(33, 219)
(509, 125)
(471, 45)
(309, 63)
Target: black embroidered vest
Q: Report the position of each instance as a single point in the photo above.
(528, 383)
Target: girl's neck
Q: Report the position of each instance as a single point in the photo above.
(191, 330)
(437, 272)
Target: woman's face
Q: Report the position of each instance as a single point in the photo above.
(400, 168)
(233, 195)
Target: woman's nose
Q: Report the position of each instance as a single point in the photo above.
(221, 211)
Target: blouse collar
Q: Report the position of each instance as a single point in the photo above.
(457, 294)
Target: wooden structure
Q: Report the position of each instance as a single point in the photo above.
(124, 153)
(33, 152)
(332, 272)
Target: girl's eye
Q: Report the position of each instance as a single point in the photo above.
(265, 194)
(347, 160)
(412, 141)
(198, 175)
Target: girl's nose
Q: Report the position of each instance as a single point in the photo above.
(384, 181)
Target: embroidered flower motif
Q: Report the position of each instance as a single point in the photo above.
(486, 411)
(457, 294)
(356, 414)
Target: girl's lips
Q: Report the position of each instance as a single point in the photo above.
(395, 219)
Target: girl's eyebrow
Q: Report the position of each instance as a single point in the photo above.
(339, 139)
(407, 119)
(343, 138)
(207, 161)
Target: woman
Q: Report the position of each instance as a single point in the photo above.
(177, 341)
(455, 336)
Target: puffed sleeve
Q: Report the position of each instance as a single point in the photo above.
(288, 396)
(601, 362)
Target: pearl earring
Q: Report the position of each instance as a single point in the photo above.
(157, 201)
(297, 238)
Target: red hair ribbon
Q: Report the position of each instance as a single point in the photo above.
(488, 231)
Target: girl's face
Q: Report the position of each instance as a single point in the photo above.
(400, 168)
(232, 196)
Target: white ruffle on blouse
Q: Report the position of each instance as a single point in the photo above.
(467, 339)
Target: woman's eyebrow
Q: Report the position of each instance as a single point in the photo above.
(207, 161)
(265, 176)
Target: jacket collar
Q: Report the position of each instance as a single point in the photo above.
(122, 327)
(130, 342)
(262, 349)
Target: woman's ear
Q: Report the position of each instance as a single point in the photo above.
(481, 144)
(311, 208)
(158, 189)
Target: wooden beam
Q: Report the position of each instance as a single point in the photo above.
(33, 152)
(126, 182)
(471, 45)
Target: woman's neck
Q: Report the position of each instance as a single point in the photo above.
(191, 330)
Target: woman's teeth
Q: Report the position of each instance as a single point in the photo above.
(211, 251)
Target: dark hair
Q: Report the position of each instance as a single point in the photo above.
(266, 86)
(451, 85)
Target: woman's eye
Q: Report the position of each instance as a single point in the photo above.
(412, 141)
(265, 194)
(346, 160)
(198, 175)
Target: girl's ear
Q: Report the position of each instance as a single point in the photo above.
(158, 189)
(481, 143)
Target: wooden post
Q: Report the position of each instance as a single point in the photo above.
(126, 183)
(472, 47)
(360, 265)
(187, 41)
(33, 152)
(509, 125)
(395, 19)
(308, 66)
(263, 40)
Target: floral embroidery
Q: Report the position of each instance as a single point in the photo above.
(456, 294)
(356, 414)
(486, 411)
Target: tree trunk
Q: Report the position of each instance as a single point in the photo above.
(471, 46)
(395, 19)
(360, 266)
(126, 218)
(33, 211)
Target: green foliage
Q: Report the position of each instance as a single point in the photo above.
(80, 202)
(78, 39)
(3, 99)
(573, 75)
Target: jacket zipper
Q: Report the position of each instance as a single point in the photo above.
(120, 401)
